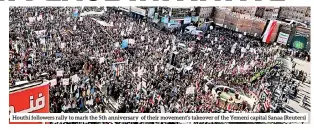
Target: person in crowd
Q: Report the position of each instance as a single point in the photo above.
(109, 61)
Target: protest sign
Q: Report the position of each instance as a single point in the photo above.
(53, 82)
(142, 38)
(232, 50)
(220, 73)
(60, 73)
(62, 46)
(124, 44)
(101, 60)
(243, 50)
(247, 46)
(66, 81)
(31, 19)
(131, 41)
(75, 78)
(190, 90)
(42, 40)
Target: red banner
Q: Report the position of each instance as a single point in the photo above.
(30, 100)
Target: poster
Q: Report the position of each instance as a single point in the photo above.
(232, 50)
(187, 20)
(151, 12)
(42, 40)
(31, 19)
(299, 42)
(75, 78)
(53, 82)
(243, 50)
(124, 43)
(66, 81)
(101, 60)
(62, 45)
(195, 18)
(282, 38)
(60, 73)
(131, 41)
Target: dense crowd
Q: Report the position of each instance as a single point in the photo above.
(95, 73)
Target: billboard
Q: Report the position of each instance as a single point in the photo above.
(151, 12)
(283, 38)
(299, 42)
(30, 100)
(138, 11)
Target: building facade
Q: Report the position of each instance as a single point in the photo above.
(294, 13)
(245, 10)
(204, 12)
(267, 12)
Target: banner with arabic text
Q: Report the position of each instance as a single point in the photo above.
(30, 100)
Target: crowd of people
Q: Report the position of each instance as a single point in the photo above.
(92, 70)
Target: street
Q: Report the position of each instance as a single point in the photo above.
(293, 106)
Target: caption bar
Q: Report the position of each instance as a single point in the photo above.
(159, 117)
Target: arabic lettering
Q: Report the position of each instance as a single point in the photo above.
(39, 104)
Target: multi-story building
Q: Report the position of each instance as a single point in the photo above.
(308, 15)
(225, 7)
(293, 13)
(248, 10)
(204, 12)
(180, 12)
(267, 12)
